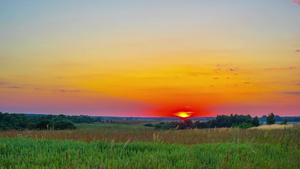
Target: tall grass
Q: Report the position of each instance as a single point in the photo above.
(147, 148)
(188, 137)
(37, 153)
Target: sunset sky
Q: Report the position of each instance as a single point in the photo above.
(150, 58)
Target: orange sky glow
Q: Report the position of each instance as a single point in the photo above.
(150, 59)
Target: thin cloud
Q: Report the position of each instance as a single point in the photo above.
(225, 68)
(3, 82)
(284, 68)
(197, 73)
(297, 51)
(247, 82)
(296, 1)
(293, 93)
(14, 87)
(67, 91)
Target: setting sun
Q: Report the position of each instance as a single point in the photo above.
(184, 114)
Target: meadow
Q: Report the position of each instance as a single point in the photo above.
(132, 145)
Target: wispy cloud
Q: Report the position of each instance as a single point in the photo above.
(293, 93)
(284, 68)
(195, 73)
(3, 82)
(297, 51)
(14, 87)
(67, 91)
(225, 68)
(247, 82)
(296, 1)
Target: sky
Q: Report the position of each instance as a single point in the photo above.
(153, 58)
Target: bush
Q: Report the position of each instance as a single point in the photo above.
(284, 122)
(243, 125)
(42, 125)
(163, 126)
(200, 125)
(3, 126)
(56, 125)
(149, 125)
(62, 125)
(31, 126)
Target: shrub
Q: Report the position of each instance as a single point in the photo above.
(149, 125)
(62, 125)
(284, 122)
(243, 125)
(42, 125)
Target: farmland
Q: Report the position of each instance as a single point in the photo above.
(135, 146)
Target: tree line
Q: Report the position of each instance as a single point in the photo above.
(240, 121)
(42, 122)
(281, 119)
(61, 117)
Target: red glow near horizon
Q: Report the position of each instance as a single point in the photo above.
(182, 111)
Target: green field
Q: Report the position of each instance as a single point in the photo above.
(134, 146)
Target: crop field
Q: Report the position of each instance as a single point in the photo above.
(134, 146)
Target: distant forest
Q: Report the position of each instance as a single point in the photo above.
(220, 121)
(60, 122)
(42, 122)
(239, 121)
